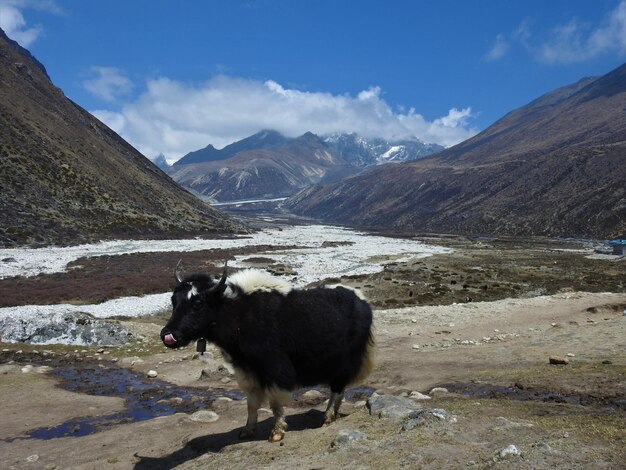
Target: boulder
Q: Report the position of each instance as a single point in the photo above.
(390, 406)
(68, 327)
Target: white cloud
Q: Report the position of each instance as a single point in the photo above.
(14, 24)
(499, 49)
(108, 83)
(173, 117)
(575, 42)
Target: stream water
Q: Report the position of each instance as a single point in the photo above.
(144, 398)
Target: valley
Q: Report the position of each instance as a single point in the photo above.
(499, 306)
(478, 317)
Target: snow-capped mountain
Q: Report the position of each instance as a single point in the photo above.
(270, 165)
(363, 151)
(263, 172)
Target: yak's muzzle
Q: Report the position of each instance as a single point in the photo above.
(169, 340)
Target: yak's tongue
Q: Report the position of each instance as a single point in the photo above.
(169, 339)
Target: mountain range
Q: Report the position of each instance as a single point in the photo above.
(67, 178)
(263, 171)
(555, 167)
(270, 165)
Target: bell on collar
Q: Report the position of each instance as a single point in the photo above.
(201, 346)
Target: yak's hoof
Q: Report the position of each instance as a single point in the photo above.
(329, 419)
(277, 436)
(246, 434)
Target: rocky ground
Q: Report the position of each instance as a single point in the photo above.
(464, 379)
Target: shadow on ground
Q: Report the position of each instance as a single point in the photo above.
(216, 442)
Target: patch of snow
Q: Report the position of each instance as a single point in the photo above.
(248, 201)
(352, 253)
(122, 306)
(311, 261)
(390, 154)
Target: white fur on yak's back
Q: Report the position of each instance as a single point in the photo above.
(254, 280)
(356, 291)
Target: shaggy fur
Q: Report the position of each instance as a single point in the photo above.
(279, 338)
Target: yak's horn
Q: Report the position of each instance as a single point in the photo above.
(220, 285)
(177, 271)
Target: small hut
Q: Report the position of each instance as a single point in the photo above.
(619, 246)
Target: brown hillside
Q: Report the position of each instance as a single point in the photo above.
(68, 178)
(554, 167)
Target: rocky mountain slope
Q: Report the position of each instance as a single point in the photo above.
(554, 167)
(67, 178)
(266, 139)
(362, 151)
(270, 165)
(264, 172)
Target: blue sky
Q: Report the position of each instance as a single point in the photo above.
(172, 77)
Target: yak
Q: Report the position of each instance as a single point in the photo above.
(277, 337)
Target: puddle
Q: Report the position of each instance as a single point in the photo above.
(145, 398)
(359, 393)
(525, 394)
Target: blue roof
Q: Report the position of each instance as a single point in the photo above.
(617, 241)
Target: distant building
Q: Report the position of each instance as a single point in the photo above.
(619, 246)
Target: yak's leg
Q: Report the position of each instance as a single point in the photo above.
(255, 399)
(332, 410)
(278, 398)
(255, 396)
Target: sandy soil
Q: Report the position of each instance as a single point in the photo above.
(493, 357)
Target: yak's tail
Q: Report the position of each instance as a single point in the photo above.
(367, 360)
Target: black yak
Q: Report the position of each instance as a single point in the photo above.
(277, 337)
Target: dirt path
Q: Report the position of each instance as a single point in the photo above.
(479, 346)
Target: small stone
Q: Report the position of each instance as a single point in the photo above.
(419, 417)
(223, 399)
(413, 320)
(312, 395)
(225, 380)
(558, 360)
(606, 362)
(205, 416)
(32, 458)
(390, 406)
(415, 346)
(571, 355)
(510, 450)
(419, 396)
(152, 374)
(542, 446)
(438, 391)
(27, 369)
(347, 436)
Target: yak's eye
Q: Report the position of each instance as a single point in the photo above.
(196, 305)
